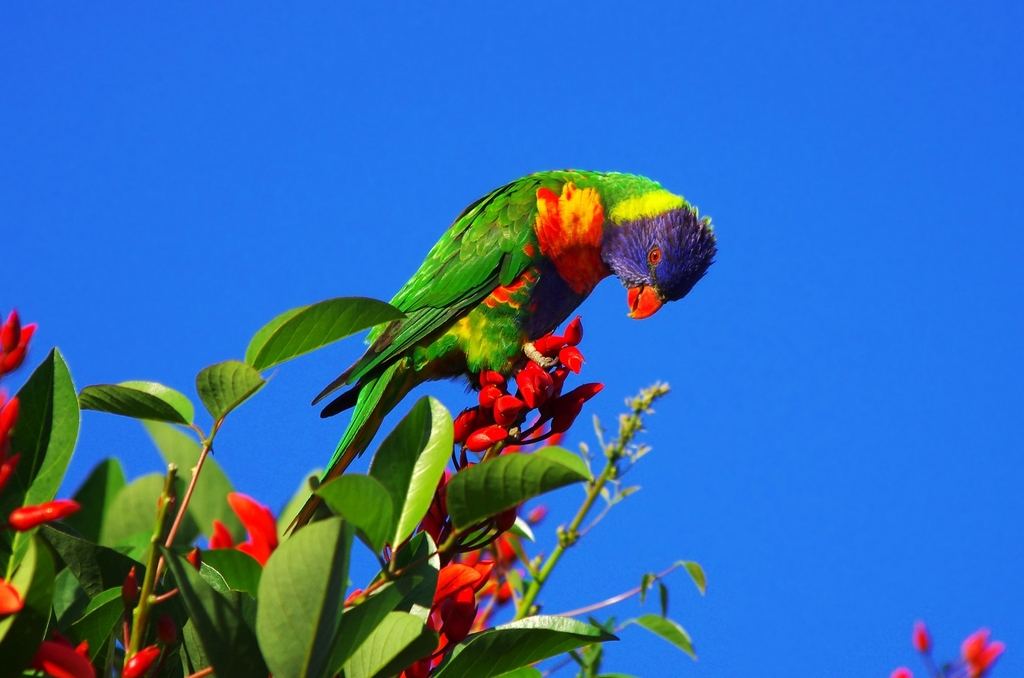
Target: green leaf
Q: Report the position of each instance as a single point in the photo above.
(305, 329)
(522, 529)
(133, 512)
(411, 461)
(99, 620)
(364, 503)
(359, 621)
(663, 598)
(140, 400)
(523, 672)
(220, 622)
(301, 594)
(298, 500)
(239, 571)
(96, 567)
(399, 640)
(520, 643)
(696, 573)
(565, 458)
(645, 585)
(209, 501)
(45, 437)
(225, 386)
(95, 497)
(504, 482)
(666, 629)
(69, 598)
(420, 562)
(21, 633)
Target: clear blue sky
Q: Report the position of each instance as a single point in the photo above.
(842, 447)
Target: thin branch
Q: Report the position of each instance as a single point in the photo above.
(618, 598)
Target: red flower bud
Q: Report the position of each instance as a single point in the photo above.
(493, 378)
(166, 629)
(466, 423)
(564, 409)
(503, 550)
(489, 395)
(10, 361)
(8, 415)
(537, 514)
(130, 589)
(10, 333)
(503, 593)
(549, 344)
(571, 357)
(195, 558)
(140, 662)
(7, 469)
(901, 672)
(221, 537)
(351, 598)
(27, 517)
(485, 438)
(10, 599)
(508, 409)
(979, 654)
(55, 658)
(574, 332)
(921, 638)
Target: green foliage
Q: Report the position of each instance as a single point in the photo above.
(307, 328)
(97, 568)
(99, 620)
(95, 497)
(397, 641)
(507, 481)
(510, 646)
(666, 629)
(139, 399)
(350, 496)
(225, 386)
(20, 634)
(300, 594)
(411, 461)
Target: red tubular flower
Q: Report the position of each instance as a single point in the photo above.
(27, 517)
(508, 409)
(979, 654)
(7, 468)
(486, 437)
(221, 537)
(489, 394)
(493, 378)
(130, 589)
(259, 523)
(10, 333)
(571, 357)
(8, 415)
(60, 660)
(901, 672)
(166, 629)
(453, 577)
(564, 409)
(549, 344)
(574, 332)
(140, 662)
(10, 600)
(921, 638)
(535, 385)
(14, 343)
(466, 423)
(195, 558)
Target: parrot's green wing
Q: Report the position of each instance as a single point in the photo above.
(485, 247)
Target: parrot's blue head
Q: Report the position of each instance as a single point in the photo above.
(659, 258)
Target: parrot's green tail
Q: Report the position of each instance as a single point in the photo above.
(376, 397)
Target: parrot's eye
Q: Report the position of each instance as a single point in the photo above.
(654, 256)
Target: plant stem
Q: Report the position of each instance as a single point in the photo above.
(618, 598)
(141, 615)
(630, 424)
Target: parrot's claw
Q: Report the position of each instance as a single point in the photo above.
(536, 356)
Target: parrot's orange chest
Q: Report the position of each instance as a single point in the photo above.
(569, 229)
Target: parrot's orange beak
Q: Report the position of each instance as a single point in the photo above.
(644, 301)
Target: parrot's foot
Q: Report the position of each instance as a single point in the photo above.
(536, 356)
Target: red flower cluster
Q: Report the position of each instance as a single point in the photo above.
(259, 523)
(14, 343)
(499, 417)
(977, 654)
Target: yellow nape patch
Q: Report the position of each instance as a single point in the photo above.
(646, 205)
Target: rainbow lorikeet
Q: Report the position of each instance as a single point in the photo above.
(510, 269)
